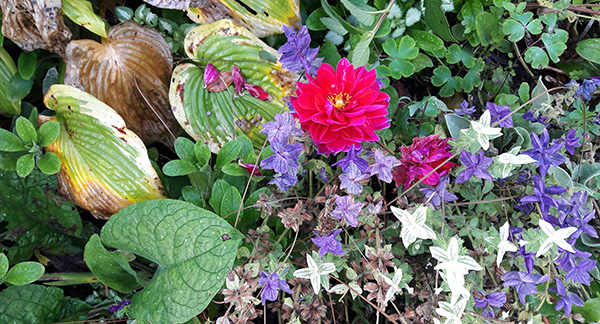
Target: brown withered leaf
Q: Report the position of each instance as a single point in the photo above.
(177, 4)
(35, 24)
(221, 83)
(129, 71)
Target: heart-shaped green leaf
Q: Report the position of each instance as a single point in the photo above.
(105, 166)
(193, 248)
(218, 117)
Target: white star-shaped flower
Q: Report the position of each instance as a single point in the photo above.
(511, 159)
(395, 285)
(557, 237)
(413, 225)
(505, 245)
(484, 131)
(317, 273)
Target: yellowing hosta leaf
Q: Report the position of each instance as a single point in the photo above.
(262, 17)
(105, 166)
(109, 72)
(216, 117)
(35, 24)
(82, 13)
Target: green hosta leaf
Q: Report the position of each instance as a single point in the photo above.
(82, 13)
(262, 17)
(49, 163)
(48, 133)
(37, 216)
(10, 142)
(111, 268)
(7, 70)
(26, 130)
(26, 64)
(537, 57)
(589, 49)
(225, 199)
(31, 304)
(25, 165)
(105, 166)
(193, 248)
(24, 273)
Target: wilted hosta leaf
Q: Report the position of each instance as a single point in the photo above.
(105, 166)
(211, 117)
(7, 70)
(263, 18)
(109, 72)
(177, 4)
(35, 24)
(193, 248)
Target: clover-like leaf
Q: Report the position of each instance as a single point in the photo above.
(555, 43)
(35, 24)
(218, 117)
(261, 17)
(193, 248)
(129, 71)
(537, 57)
(105, 166)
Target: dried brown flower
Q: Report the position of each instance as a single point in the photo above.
(294, 217)
(314, 312)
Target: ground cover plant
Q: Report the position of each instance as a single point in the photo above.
(352, 161)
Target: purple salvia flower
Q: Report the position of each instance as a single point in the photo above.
(296, 53)
(351, 180)
(498, 112)
(383, 166)
(284, 181)
(329, 243)
(435, 195)
(272, 284)
(348, 209)
(580, 273)
(531, 117)
(524, 283)
(587, 87)
(284, 158)
(476, 165)
(353, 157)
(465, 109)
(211, 74)
(119, 306)
(571, 141)
(544, 154)
(567, 300)
(281, 128)
(542, 195)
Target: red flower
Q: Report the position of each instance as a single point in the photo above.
(418, 159)
(341, 109)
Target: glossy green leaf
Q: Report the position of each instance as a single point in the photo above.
(537, 57)
(184, 148)
(215, 118)
(202, 152)
(49, 163)
(435, 18)
(3, 265)
(225, 199)
(24, 273)
(105, 166)
(111, 268)
(31, 304)
(48, 133)
(555, 43)
(589, 49)
(262, 17)
(10, 142)
(26, 130)
(176, 168)
(26, 63)
(428, 42)
(82, 13)
(313, 22)
(25, 164)
(124, 13)
(7, 70)
(18, 88)
(590, 310)
(193, 248)
(514, 29)
(228, 153)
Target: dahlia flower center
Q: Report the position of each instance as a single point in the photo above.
(340, 100)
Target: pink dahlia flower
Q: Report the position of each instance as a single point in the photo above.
(420, 158)
(341, 108)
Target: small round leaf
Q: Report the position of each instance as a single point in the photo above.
(48, 132)
(49, 163)
(25, 164)
(24, 273)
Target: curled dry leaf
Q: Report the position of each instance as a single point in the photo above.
(35, 24)
(177, 4)
(129, 71)
(105, 166)
(261, 17)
